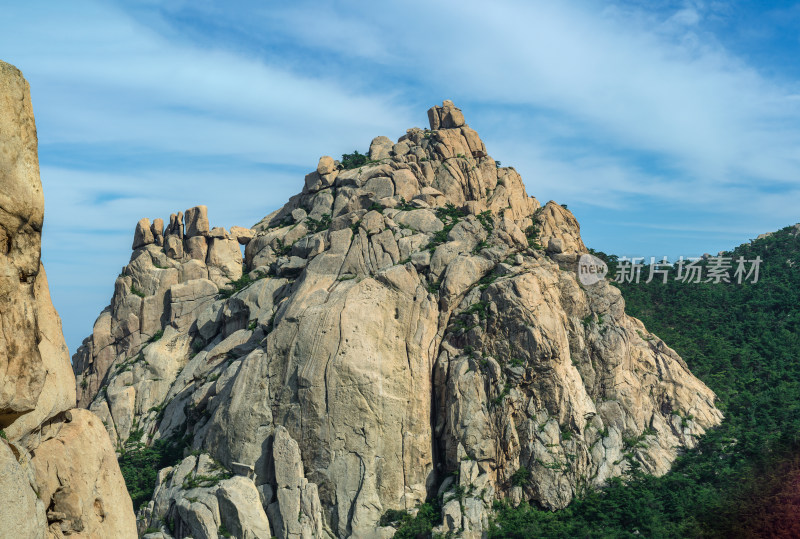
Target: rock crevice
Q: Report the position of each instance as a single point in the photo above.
(406, 328)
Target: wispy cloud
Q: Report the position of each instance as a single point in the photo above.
(630, 111)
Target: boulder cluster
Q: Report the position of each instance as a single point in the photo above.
(411, 327)
(173, 273)
(58, 471)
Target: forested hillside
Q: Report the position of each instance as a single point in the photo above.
(743, 479)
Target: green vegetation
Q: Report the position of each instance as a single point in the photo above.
(157, 335)
(450, 216)
(281, 249)
(199, 480)
(433, 287)
(140, 467)
(394, 517)
(354, 160)
(478, 308)
(315, 225)
(743, 340)
(532, 233)
(428, 516)
(485, 219)
(240, 284)
(127, 363)
(481, 245)
(521, 477)
(405, 206)
(136, 292)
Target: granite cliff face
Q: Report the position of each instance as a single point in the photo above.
(58, 471)
(406, 328)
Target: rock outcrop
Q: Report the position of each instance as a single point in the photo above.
(58, 471)
(409, 328)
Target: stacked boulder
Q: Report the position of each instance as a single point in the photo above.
(407, 328)
(172, 274)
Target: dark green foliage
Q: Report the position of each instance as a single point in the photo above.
(478, 308)
(252, 325)
(240, 284)
(135, 435)
(136, 292)
(159, 410)
(532, 233)
(376, 207)
(449, 212)
(743, 340)
(487, 279)
(428, 516)
(140, 467)
(499, 399)
(405, 206)
(521, 477)
(485, 219)
(315, 225)
(3, 434)
(433, 287)
(194, 480)
(394, 517)
(610, 260)
(223, 531)
(450, 216)
(354, 160)
(480, 247)
(127, 363)
(157, 335)
(281, 249)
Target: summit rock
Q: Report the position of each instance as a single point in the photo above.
(409, 328)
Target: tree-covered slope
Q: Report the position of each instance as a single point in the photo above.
(743, 479)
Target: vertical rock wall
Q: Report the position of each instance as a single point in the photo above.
(58, 471)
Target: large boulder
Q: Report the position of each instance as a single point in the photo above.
(58, 471)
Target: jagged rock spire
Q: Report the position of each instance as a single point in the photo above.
(406, 328)
(448, 116)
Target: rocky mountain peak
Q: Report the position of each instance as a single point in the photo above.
(448, 116)
(406, 326)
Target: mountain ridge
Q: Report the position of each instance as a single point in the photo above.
(405, 329)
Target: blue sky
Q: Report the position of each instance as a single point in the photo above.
(669, 128)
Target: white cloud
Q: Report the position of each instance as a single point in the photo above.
(632, 81)
(118, 82)
(581, 97)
